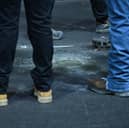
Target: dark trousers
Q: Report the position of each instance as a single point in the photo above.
(38, 13)
(99, 8)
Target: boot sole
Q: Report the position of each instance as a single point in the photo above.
(44, 100)
(3, 102)
(124, 94)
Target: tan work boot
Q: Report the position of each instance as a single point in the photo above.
(3, 100)
(43, 97)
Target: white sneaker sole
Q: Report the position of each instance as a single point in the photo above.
(3, 102)
(102, 31)
(44, 100)
(123, 94)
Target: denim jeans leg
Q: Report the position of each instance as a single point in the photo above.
(118, 78)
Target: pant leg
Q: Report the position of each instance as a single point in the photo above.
(118, 78)
(9, 12)
(99, 8)
(39, 29)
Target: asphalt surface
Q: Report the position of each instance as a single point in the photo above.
(75, 60)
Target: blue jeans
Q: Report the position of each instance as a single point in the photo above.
(118, 78)
(38, 13)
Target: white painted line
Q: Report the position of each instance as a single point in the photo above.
(55, 46)
(23, 46)
(63, 46)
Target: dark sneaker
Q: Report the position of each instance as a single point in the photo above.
(57, 35)
(102, 28)
(99, 86)
(3, 100)
(43, 97)
(101, 42)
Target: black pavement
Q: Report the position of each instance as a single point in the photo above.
(75, 60)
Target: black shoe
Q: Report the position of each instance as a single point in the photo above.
(101, 42)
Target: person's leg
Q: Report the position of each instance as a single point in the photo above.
(99, 8)
(9, 12)
(118, 78)
(39, 30)
(100, 12)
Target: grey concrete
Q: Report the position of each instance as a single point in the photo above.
(75, 60)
